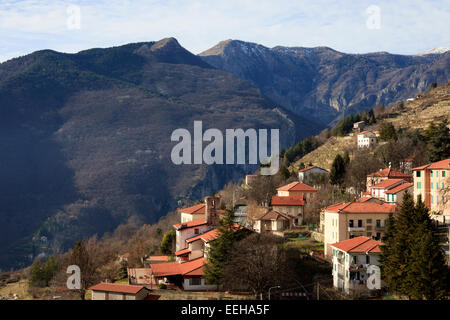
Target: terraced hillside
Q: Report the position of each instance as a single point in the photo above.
(324, 155)
(431, 106)
(424, 109)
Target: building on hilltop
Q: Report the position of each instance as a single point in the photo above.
(308, 173)
(367, 139)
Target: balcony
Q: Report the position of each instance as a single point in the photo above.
(380, 228)
(356, 229)
(358, 267)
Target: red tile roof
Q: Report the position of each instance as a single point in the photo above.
(206, 236)
(399, 188)
(197, 209)
(365, 131)
(182, 252)
(443, 164)
(211, 234)
(274, 215)
(364, 199)
(190, 224)
(287, 201)
(158, 258)
(386, 184)
(359, 244)
(114, 287)
(175, 268)
(296, 186)
(389, 173)
(361, 207)
(309, 168)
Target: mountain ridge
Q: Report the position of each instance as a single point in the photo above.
(325, 83)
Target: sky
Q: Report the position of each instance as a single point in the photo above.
(402, 26)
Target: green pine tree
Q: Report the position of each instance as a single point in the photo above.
(397, 252)
(220, 249)
(428, 271)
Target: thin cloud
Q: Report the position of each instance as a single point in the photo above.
(407, 27)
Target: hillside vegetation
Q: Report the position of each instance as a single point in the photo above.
(430, 107)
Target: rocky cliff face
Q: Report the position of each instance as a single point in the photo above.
(323, 83)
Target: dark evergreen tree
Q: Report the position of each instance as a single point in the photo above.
(337, 172)
(220, 249)
(428, 271)
(397, 252)
(372, 118)
(388, 132)
(438, 138)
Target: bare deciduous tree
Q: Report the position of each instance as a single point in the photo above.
(257, 263)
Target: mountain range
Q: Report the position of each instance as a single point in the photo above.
(325, 84)
(85, 138)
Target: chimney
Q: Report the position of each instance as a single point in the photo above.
(212, 204)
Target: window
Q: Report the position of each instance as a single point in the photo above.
(369, 221)
(196, 231)
(359, 223)
(443, 186)
(350, 223)
(443, 173)
(418, 185)
(369, 228)
(437, 185)
(431, 197)
(195, 281)
(368, 259)
(354, 259)
(431, 173)
(418, 174)
(378, 223)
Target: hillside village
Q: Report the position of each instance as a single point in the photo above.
(334, 213)
(351, 231)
